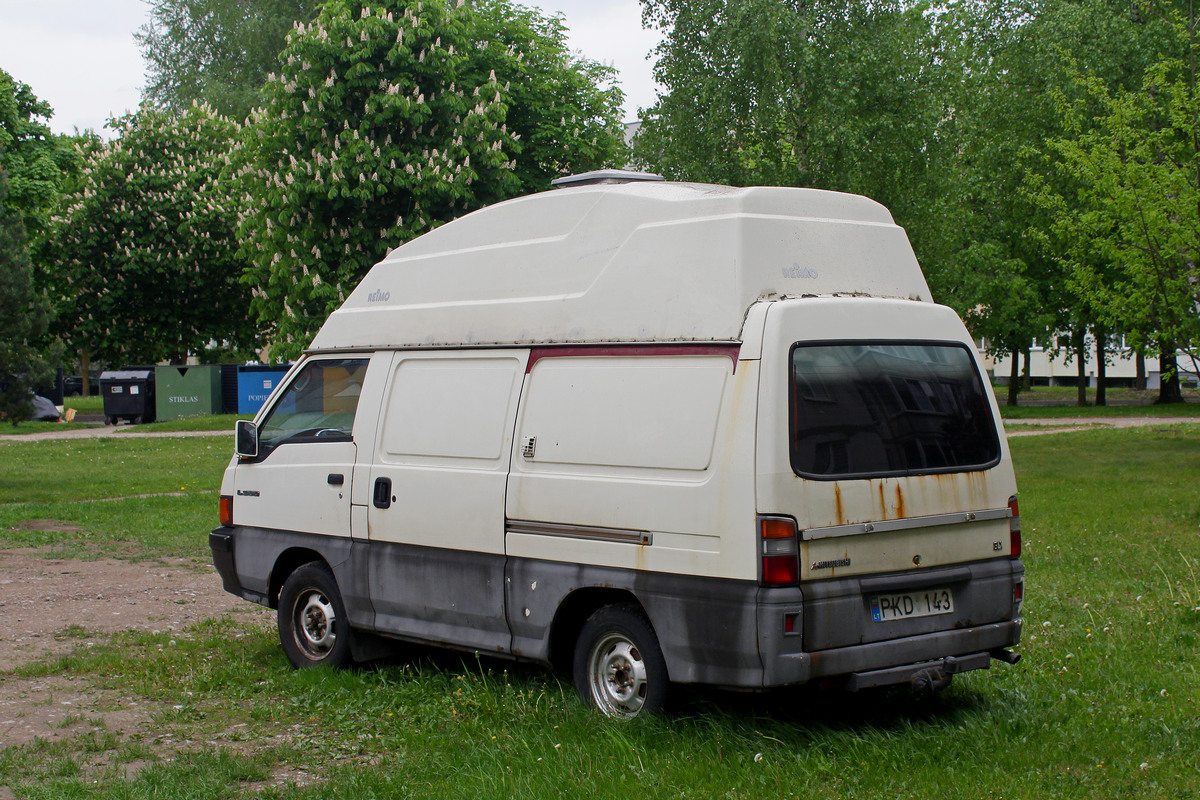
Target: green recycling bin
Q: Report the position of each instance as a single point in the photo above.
(187, 391)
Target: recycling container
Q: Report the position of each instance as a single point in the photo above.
(255, 384)
(187, 391)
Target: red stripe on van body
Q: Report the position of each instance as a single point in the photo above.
(602, 350)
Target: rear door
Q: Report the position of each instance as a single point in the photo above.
(878, 435)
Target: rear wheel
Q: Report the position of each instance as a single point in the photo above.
(312, 618)
(619, 667)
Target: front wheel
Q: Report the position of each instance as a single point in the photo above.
(619, 667)
(312, 618)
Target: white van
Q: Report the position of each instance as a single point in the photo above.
(649, 432)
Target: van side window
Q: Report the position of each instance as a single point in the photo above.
(318, 405)
(888, 408)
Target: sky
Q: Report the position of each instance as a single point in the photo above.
(80, 56)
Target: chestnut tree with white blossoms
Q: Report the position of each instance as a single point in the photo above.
(141, 258)
(387, 119)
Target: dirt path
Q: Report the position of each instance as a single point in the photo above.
(41, 597)
(49, 606)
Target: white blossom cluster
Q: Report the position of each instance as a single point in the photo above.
(149, 221)
(375, 131)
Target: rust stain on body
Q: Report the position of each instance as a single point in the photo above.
(837, 502)
(900, 511)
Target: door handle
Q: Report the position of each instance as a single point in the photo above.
(335, 479)
(383, 492)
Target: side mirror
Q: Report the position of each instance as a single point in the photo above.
(246, 445)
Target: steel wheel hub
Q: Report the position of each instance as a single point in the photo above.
(315, 620)
(617, 676)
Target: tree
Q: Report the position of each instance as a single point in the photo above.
(1137, 209)
(387, 119)
(1013, 58)
(144, 254)
(36, 161)
(216, 51)
(23, 316)
(842, 96)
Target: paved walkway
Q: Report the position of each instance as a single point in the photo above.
(126, 432)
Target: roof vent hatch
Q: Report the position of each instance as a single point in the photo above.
(600, 177)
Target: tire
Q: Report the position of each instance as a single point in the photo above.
(312, 619)
(619, 667)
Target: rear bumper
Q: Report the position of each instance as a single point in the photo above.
(895, 660)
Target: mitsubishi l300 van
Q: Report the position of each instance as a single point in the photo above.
(645, 432)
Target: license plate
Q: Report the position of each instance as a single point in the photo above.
(906, 605)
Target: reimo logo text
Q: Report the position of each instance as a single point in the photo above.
(797, 271)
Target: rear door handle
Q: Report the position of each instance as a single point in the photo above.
(383, 492)
(335, 479)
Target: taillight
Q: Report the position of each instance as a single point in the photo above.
(226, 510)
(1014, 528)
(780, 551)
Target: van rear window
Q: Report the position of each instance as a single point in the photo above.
(868, 409)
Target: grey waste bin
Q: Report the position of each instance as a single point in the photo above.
(128, 394)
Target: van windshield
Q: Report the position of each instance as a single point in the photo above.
(869, 409)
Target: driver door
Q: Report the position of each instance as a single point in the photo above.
(301, 480)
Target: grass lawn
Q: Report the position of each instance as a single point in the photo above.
(127, 498)
(1105, 703)
(216, 422)
(1048, 411)
(1060, 401)
(91, 404)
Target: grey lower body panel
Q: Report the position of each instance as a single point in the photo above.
(706, 627)
(438, 595)
(254, 562)
(712, 631)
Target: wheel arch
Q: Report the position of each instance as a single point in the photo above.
(574, 611)
(288, 562)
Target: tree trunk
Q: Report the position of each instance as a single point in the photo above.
(1079, 345)
(1014, 378)
(1101, 366)
(1169, 390)
(85, 366)
(1140, 381)
(1027, 372)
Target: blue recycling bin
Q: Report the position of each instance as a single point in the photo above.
(255, 384)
